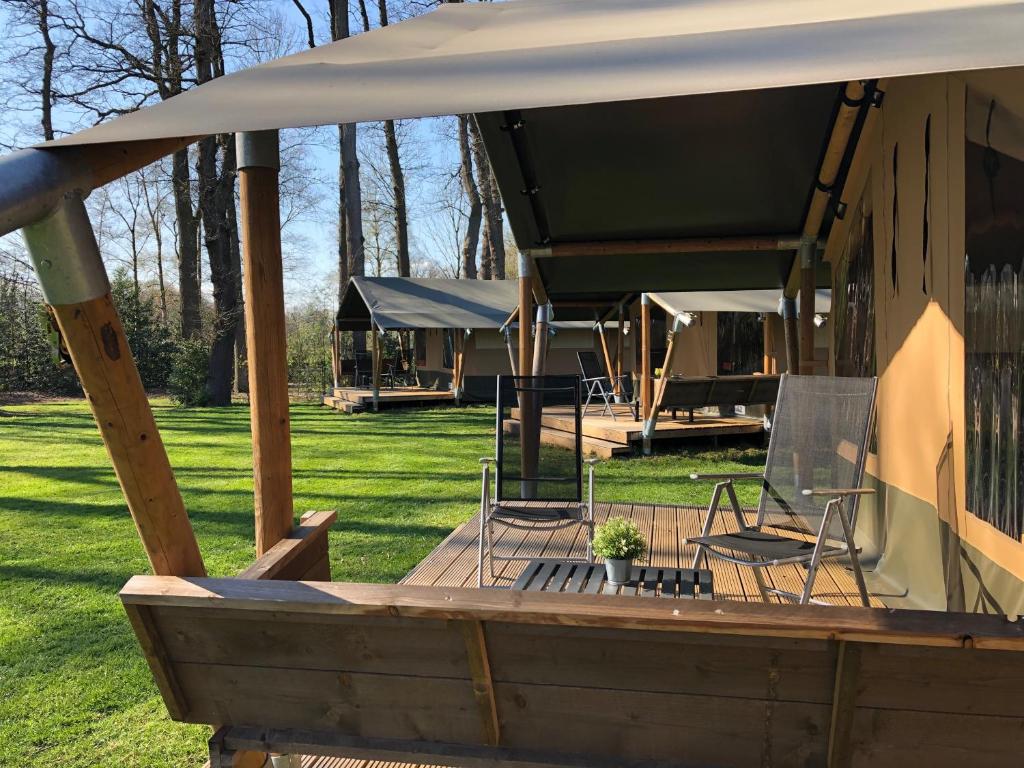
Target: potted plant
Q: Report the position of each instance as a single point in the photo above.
(619, 542)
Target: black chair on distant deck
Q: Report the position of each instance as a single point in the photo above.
(363, 376)
(811, 484)
(544, 494)
(596, 382)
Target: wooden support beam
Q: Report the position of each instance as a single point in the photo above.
(483, 685)
(375, 358)
(675, 246)
(606, 353)
(645, 357)
(265, 336)
(335, 357)
(857, 174)
(835, 151)
(844, 704)
(525, 314)
(74, 282)
(620, 342)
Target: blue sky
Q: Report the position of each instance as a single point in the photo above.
(429, 154)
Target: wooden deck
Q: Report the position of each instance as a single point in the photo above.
(607, 437)
(453, 562)
(355, 399)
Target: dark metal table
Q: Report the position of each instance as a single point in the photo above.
(551, 575)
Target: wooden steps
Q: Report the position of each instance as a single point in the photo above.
(592, 446)
(356, 399)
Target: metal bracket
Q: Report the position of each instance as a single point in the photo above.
(258, 149)
(64, 252)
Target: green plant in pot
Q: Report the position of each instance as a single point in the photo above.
(619, 542)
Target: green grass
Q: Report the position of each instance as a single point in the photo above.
(74, 689)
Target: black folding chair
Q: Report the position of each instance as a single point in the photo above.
(364, 370)
(540, 488)
(811, 484)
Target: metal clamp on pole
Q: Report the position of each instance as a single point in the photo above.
(63, 250)
(258, 149)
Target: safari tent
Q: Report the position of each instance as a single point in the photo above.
(869, 147)
(470, 334)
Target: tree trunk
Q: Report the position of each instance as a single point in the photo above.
(216, 194)
(350, 197)
(494, 235)
(395, 161)
(471, 240)
(188, 250)
(49, 50)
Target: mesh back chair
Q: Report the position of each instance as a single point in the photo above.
(811, 483)
(364, 369)
(545, 495)
(596, 382)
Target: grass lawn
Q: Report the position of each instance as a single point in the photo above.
(74, 688)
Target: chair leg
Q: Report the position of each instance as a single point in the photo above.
(761, 585)
(737, 510)
(819, 547)
(858, 574)
(490, 550)
(706, 530)
(480, 560)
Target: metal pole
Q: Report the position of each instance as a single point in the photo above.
(792, 342)
(67, 260)
(807, 255)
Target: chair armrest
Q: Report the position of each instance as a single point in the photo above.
(487, 460)
(592, 462)
(837, 491)
(727, 476)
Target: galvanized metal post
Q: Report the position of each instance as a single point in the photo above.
(788, 307)
(808, 258)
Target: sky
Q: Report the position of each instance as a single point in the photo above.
(429, 155)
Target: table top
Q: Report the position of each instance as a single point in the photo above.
(551, 575)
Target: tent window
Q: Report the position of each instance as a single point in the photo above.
(994, 324)
(740, 343)
(853, 305)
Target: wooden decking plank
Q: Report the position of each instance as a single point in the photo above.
(453, 562)
(651, 577)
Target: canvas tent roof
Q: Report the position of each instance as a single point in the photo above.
(489, 57)
(394, 303)
(765, 301)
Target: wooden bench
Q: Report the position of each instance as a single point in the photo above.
(499, 678)
(706, 391)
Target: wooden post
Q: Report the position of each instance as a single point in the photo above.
(67, 260)
(258, 165)
(375, 350)
(609, 368)
(651, 421)
(335, 356)
(525, 314)
(768, 361)
(645, 357)
(620, 341)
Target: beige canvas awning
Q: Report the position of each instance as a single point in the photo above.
(763, 301)
(486, 57)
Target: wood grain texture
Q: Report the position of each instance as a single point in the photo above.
(99, 349)
(879, 625)
(483, 685)
(267, 354)
(302, 551)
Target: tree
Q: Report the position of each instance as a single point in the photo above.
(492, 260)
(470, 242)
(217, 207)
